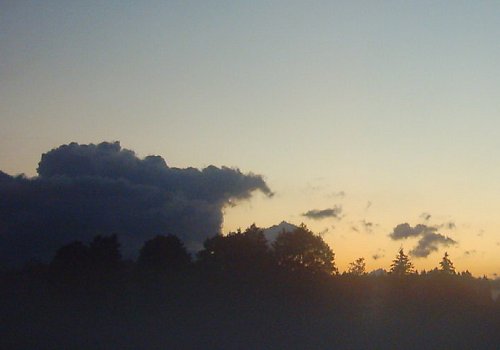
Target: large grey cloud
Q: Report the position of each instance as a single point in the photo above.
(83, 190)
(429, 242)
(318, 214)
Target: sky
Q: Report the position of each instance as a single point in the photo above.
(386, 112)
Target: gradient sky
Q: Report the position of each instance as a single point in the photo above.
(393, 103)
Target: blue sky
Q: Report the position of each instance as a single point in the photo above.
(394, 103)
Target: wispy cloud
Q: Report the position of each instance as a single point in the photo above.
(336, 194)
(450, 225)
(425, 216)
(470, 252)
(368, 226)
(363, 226)
(379, 254)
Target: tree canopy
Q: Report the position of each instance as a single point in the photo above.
(163, 254)
(357, 267)
(301, 249)
(238, 250)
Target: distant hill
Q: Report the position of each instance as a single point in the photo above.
(378, 272)
(272, 232)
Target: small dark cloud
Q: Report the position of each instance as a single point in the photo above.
(368, 205)
(425, 216)
(379, 254)
(367, 223)
(430, 240)
(310, 188)
(448, 225)
(403, 231)
(336, 194)
(368, 226)
(340, 194)
(470, 252)
(430, 243)
(363, 226)
(84, 190)
(324, 231)
(318, 214)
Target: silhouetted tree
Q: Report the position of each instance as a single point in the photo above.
(256, 240)
(401, 265)
(163, 254)
(446, 265)
(433, 272)
(303, 250)
(71, 264)
(237, 251)
(104, 263)
(105, 252)
(357, 267)
(466, 274)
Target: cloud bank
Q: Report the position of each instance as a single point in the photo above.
(429, 242)
(84, 190)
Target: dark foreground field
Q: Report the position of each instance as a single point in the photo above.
(240, 293)
(200, 309)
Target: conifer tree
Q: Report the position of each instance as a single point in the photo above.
(401, 265)
(446, 265)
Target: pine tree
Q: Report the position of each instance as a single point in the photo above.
(446, 265)
(401, 265)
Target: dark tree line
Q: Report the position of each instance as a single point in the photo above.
(240, 292)
(243, 253)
